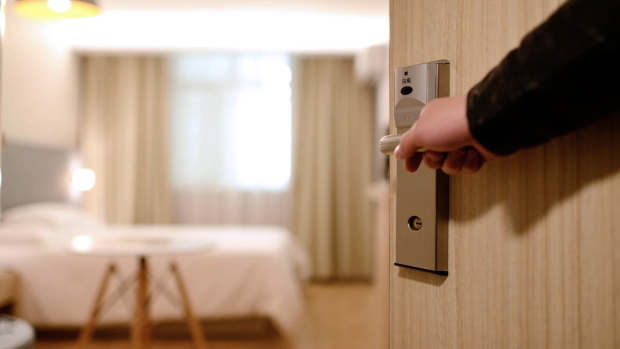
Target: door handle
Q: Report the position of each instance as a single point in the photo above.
(388, 144)
(422, 197)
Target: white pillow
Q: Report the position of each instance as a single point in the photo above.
(48, 214)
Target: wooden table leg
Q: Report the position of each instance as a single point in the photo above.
(141, 330)
(194, 326)
(147, 309)
(87, 332)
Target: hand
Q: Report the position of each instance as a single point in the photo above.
(443, 129)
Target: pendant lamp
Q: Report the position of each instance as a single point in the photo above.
(57, 9)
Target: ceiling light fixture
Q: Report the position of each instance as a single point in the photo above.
(59, 6)
(57, 9)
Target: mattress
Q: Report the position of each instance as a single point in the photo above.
(250, 271)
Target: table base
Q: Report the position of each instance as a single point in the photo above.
(141, 327)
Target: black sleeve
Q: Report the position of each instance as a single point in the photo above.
(563, 76)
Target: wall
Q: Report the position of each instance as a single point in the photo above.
(534, 243)
(39, 85)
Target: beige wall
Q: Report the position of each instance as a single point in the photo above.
(39, 85)
(534, 241)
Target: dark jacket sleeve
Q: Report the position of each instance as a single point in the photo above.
(564, 75)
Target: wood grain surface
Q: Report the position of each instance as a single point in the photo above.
(534, 246)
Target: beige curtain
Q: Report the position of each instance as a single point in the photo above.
(124, 139)
(332, 166)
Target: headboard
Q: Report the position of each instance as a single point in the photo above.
(33, 174)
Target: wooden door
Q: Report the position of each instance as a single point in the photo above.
(534, 245)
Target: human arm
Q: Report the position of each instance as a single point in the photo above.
(563, 76)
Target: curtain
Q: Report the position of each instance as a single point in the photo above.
(124, 140)
(332, 145)
(230, 132)
(230, 206)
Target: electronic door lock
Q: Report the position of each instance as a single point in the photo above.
(421, 197)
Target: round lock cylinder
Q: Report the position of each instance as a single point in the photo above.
(415, 223)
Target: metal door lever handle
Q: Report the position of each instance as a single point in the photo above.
(388, 144)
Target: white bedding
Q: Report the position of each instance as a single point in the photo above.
(252, 271)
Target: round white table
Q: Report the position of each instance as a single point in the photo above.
(140, 247)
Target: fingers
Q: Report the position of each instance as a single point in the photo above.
(413, 163)
(454, 161)
(473, 162)
(466, 160)
(434, 160)
(409, 145)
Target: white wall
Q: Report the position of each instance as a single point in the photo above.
(39, 85)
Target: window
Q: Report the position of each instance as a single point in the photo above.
(230, 122)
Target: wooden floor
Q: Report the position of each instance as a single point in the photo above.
(338, 316)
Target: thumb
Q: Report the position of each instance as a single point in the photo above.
(409, 144)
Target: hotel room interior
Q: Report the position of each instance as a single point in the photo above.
(193, 174)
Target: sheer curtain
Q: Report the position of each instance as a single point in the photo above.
(230, 138)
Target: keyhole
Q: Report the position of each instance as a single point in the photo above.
(415, 223)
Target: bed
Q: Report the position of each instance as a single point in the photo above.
(252, 271)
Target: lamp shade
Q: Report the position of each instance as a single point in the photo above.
(57, 9)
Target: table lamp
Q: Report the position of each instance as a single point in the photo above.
(83, 179)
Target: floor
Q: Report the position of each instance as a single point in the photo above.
(338, 316)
